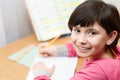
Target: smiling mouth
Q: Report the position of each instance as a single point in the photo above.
(83, 49)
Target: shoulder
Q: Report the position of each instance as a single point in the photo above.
(104, 69)
(90, 71)
(110, 67)
(107, 64)
(71, 50)
(118, 49)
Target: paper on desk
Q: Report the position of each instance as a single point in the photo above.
(29, 57)
(64, 67)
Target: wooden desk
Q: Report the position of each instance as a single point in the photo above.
(10, 70)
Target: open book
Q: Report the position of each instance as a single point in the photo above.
(64, 67)
(50, 17)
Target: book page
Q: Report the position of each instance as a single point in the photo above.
(50, 17)
(46, 18)
(64, 67)
(66, 8)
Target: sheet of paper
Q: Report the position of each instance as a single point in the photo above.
(46, 18)
(64, 70)
(27, 59)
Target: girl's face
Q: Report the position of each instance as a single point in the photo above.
(89, 41)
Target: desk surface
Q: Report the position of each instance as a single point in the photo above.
(10, 70)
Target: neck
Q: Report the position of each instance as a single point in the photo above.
(107, 54)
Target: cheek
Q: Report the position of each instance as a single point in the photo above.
(73, 37)
(98, 43)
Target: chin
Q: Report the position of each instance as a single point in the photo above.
(83, 55)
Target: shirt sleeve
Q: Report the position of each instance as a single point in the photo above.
(118, 50)
(42, 77)
(71, 50)
(90, 71)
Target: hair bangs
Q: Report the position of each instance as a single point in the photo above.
(84, 20)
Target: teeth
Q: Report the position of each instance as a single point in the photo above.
(83, 48)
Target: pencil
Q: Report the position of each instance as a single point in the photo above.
(20, 56)
(54, 40)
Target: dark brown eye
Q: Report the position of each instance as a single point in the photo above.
(92, 33)
(76, 30)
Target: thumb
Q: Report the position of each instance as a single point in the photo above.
(52, 69)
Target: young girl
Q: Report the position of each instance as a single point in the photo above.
(95, 28)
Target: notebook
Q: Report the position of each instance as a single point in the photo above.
(64, 67)
(50, 17)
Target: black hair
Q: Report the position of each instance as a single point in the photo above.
(91, 11)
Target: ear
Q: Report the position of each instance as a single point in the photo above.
(112, 37)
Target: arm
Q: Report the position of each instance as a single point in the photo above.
(61, 50)
(71, 50)
(90, 71)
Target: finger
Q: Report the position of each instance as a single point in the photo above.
(52, 69)
(43, 54)
(42, 45)
(42, 51)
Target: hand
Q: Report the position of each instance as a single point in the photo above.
(47, 51)
(39, 67)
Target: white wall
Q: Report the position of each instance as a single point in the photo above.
(14, 21)
(2, 31)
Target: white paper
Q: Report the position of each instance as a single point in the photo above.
(64, 67)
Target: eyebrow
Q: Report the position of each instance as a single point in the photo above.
(93, 29)
(89, 27)
(78, 26)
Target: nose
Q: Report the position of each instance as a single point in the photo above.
(82, 39)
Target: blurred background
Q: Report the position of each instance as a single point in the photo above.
(15, 22)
